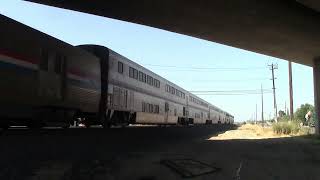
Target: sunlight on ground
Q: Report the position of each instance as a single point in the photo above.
(249, 131)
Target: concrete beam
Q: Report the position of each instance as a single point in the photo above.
(313, 4)
(281, 28)
(316, 80)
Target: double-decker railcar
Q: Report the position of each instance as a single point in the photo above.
(44, 79)
(137, 95)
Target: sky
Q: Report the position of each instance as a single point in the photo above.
(191, 63)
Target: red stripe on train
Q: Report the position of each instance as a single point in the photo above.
(20, 57)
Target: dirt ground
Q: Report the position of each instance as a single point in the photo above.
(137, 153)
(249, 131)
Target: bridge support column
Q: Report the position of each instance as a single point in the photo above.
(316, 84)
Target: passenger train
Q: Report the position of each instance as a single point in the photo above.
(45, 80)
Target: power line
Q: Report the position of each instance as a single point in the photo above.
(229, 80)
(203, 71)
(242, 90)
(233, 94)
(192, 67)
(205, 68)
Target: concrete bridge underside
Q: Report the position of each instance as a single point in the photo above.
(287, 29)
(281, 28)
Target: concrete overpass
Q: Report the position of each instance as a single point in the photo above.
(287, 29)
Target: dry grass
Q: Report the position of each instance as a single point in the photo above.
(249, 131)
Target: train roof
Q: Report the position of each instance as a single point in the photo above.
(16, 34)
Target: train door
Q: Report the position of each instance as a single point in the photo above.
(104, 66)
(124, 98)
(131, 100)
(52, 76)
(166, 112)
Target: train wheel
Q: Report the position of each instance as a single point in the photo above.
(106, 125)
(124, 120)
(105, 121)
(87, 124)
(66, 126)
(35, 125)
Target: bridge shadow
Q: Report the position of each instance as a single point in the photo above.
(131, 153)
(296, 157)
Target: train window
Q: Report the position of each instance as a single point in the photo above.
(141, 76)
(143, 107)
(166, 107)
(149, 80)
(135, 74)
(131, 72)
(156, 109)
(150, 108)
(156, 83)
(120, 67)
(144, 78)
(116, 96)
(173, 90)
(44, 60)
(58, 64)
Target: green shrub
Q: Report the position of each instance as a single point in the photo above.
(284, 118)
(286, 127)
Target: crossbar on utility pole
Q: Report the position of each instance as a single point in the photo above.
(272, 68)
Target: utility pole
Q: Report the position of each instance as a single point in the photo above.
(272, 68)
(262, 119)
(256, 113)
(290, 90)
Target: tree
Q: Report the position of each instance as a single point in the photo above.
(281, 113)
(302, 111)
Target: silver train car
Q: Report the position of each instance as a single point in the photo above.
(45, 80)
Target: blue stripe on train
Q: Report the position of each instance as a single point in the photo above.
(16, 68)
(33, 72)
